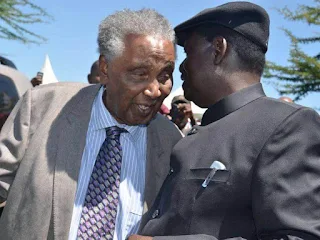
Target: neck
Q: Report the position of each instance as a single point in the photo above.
(240, 80)
(234, 82)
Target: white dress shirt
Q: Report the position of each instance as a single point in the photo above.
(132, 179)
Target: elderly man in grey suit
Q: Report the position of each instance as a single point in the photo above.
(86, 162)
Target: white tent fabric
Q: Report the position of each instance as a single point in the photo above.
(179, 91)
(48, 74)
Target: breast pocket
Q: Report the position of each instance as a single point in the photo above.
(217, 185)
(221, 176)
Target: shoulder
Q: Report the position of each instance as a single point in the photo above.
(288, 111)
(295, 124)
(279, 106)
(61, 93)
(269, 113)
(68, 88)
(162, 122)
(53, 100)
(165, 127)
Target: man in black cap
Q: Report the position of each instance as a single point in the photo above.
(252, 169)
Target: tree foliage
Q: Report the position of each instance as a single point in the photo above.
(302, 75)
(16, 16)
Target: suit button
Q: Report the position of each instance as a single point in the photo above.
(155, 214)
(171, 171)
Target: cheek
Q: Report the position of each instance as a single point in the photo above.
(197, 69)
(119, 97)
(195, 65)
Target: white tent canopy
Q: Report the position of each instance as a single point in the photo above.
(179, 91)
(48, 74)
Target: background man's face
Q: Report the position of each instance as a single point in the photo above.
(94, 76)
(139, 80)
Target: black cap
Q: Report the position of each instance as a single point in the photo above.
(246, 18)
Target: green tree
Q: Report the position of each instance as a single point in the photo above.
(16, 15)
(302, 74)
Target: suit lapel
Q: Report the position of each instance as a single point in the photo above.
(156, 169)
(73, 126)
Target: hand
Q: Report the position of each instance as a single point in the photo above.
(139, 237)
(187, 110)
(36, 81)
(188, 113)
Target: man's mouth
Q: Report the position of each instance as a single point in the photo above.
(145, 109)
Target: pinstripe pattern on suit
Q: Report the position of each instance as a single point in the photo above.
(132, 178)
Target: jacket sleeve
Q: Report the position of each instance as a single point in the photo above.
(13, 143)
(286, 180)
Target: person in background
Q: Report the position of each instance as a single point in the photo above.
(93, 76)
(252, 169)
(36, 81)
(81, 161)
(181, 114)
(13, 84)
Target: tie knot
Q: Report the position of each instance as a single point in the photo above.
(114, 132)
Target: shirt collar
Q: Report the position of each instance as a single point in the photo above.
(102, 118)
(231, 103)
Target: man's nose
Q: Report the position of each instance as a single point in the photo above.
(153, 90)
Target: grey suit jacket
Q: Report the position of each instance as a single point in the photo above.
(41, 148)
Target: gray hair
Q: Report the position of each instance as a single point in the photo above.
(114, 28)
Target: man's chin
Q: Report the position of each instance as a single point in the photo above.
(142, 121)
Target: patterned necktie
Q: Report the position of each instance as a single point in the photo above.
(101, 202)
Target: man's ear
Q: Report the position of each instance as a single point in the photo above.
(103, 66)
(220, 48)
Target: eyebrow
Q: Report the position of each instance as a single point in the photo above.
(170, 64)
(142, 65)
(147, 64)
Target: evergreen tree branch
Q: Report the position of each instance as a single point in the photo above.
(16, 15)
(301, 75)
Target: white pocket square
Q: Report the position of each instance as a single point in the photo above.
(218, 165)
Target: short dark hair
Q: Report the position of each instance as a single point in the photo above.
(251, 56)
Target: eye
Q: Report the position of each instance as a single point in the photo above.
(140, 72)
(163, 77)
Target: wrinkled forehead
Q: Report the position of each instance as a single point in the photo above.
(147, 44)
(148, 49)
